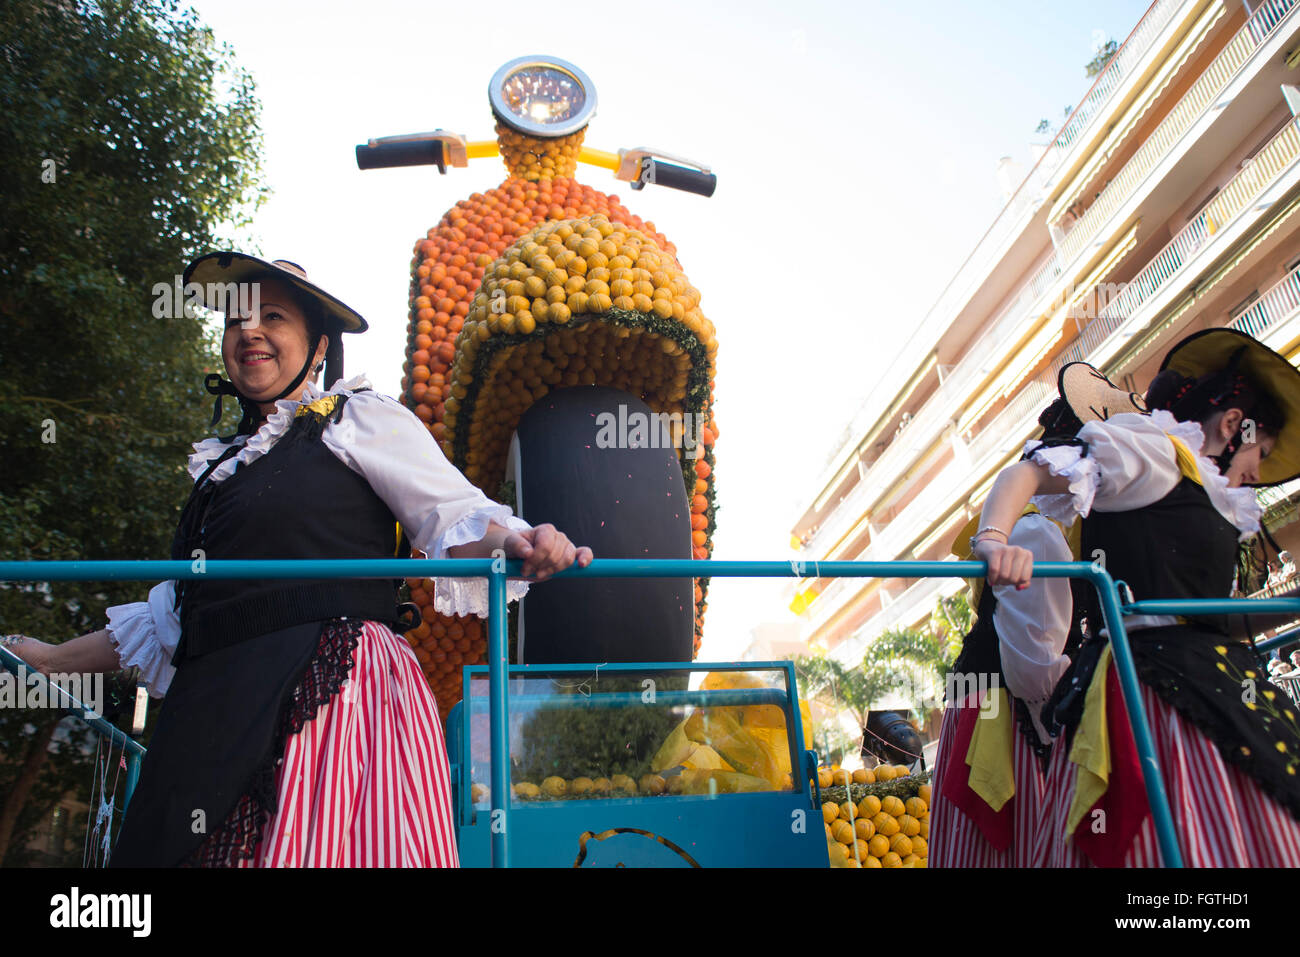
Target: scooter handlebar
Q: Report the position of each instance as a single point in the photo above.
(659, 173)
(412, 153)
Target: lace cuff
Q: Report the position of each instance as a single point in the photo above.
(145, 634)
(1084, 479)
(469, 596)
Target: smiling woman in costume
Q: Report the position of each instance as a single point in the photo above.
(298, 728)
(1166, 500)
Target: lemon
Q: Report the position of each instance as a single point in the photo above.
(869, 806)
(909, 825)
(580, 786)
(850, 862)
(911, 861)
(925, 828)
(892, 806)
(555, 786)
(830, 811)
(871, 862)
(652, 784)
(920, 847)
(527, 790)
(601, 785)
(864, 829)
(838, 854)
(885, 824)
(884, 773)
(621, 782)
(878, 846)
(923, 792)
(916, 807)
(901, 845)
(891, 860)
(824, 777)
(841, 777)
(848, 811)
(901, 771)
(842, 831)
(863, 776)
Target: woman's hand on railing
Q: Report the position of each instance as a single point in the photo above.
(545, 550)
(35, 654)
(1008, 565)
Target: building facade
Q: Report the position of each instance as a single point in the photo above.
(1168, 202)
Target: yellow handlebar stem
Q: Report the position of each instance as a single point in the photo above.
(483, 149)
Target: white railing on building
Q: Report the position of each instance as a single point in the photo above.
(1015, 422)
(1194, 103)
(920, 433)
(1280, 303)
(1029, 193)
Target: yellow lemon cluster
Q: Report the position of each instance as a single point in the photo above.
(536, 157)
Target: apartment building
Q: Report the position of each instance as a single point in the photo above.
(1168, 202)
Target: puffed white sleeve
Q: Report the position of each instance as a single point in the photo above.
(146, 633)
(1033, 624)
(1126, 462)
(439, 508)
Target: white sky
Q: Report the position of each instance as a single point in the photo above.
(855, 146)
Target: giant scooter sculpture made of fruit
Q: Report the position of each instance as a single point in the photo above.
(558, 353)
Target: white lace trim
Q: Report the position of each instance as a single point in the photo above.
(264, 439)
(469, 596)
(1080, 470)
(1240, 506)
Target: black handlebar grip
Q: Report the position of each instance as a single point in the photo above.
(412, 153)
(658, 173)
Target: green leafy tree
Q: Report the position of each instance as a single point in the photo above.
(129, 142)
(1098, 62)
(907, 659)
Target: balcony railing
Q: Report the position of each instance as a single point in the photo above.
(1273, 308)
(1028, 194)
(1204, 91)
(1280, 154)
(1108, 81)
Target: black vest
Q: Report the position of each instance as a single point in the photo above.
(296, 501)
(1178, 547)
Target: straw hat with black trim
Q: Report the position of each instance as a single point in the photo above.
(216, 273)
(1227, 351)
(1091, 396)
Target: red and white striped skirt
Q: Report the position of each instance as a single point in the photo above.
(955, 841)
(1221, 817)
(366, 783)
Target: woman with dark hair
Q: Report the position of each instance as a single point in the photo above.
(1166, 499)
(298, 728)
(988, 812)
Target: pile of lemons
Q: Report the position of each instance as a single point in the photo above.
(889, 831)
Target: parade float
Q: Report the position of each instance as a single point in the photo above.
(558, 352)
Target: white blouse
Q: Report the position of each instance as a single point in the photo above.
(379, 439)
(1033, 624)
(1130, 463)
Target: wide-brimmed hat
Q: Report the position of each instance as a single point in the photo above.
(1214, 350)
(1091, 396)
(221, 268)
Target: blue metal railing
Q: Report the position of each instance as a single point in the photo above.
(497, 572)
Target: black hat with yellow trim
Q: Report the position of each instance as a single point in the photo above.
(1224, 364)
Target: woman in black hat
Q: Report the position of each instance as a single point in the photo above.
(298, 728)
(1166, 501)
